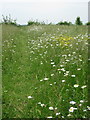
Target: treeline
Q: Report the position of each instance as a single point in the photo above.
(9, 20)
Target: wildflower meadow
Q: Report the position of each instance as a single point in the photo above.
(44, 71)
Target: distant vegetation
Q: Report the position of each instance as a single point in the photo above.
(9, 20)
(32, 22)
(64, 23)
(88, 23)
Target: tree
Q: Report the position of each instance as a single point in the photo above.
(78, 21)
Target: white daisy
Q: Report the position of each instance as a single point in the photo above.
(69, 115)
(83, 86)
(49, 117)
(81, 101)
(57, 113)
(88, 107)
(52, 63)
(54, 82)
(72, 102)
(29, 97)
(52, 74)
(63, 70)
(51, 108)
(42, 105)
(73, 75)
(72, 109)
(46, 78)
(63, 80)
(39, 102)
(51, 84)
(76, 85)
(41, 80)
(79, 69)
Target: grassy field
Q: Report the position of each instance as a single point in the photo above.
(45, 71)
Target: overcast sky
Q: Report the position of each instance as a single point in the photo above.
(45, 10)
